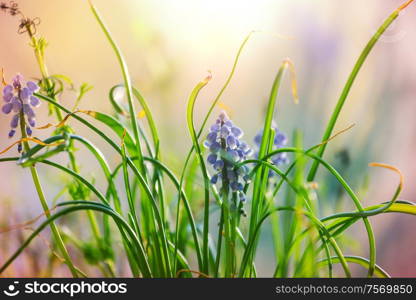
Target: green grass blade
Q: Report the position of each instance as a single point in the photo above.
(345, 92)
(379, 272)
(191, 127)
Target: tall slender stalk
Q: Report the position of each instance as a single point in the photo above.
(39, 54)
(44, 203)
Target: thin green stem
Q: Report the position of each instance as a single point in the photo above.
(44, 203)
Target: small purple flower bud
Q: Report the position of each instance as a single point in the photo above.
(258, 138)
(28, 131)
(15, 121)
(8, 97)
(236, 186)
(215, 147)
(215, 128)
(231, 142)
(8, 89)
(232, 155)
(212, 137)
(214, 179)
(11, 133)
(7, 108)
(32, 121)
(225, 131)
(33, 87)
(244, 147)
(279, 141)
(19, 148)
(218, 165)
(34, 101)
(17, 81)
(28, 111)
(212, 158)
(237, 132)
(228, 123)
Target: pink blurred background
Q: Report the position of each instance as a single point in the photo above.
(170, 45)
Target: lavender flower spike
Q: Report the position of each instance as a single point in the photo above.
(18, 97)
(280, 141)
(226, 150)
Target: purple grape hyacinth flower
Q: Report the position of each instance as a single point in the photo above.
(19, 97)
(280, 140)
(226, 150)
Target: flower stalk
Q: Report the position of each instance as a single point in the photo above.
(35, 177)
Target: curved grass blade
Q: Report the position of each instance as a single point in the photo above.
(85, 205)
(127, 83)
(158, 218)
(191, 127)
(378, 271)
(345, 92)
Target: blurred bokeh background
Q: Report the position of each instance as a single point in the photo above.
(171, 44)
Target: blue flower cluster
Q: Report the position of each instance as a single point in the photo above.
(226, 150)
(19, 97)
(280, 140)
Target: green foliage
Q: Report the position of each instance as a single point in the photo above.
(158, 241)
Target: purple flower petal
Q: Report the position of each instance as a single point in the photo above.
(214, 179)
(215, 147)
(25, 93)
(8, 97)
(232, 155)
(231, 142)
(15, 121)
(215, 128)
(212, 158)
(32, 121)
(237, 132)
(7, 108)
(212, 137)
(280, 139)
(228, 123)
(258, 138)
(224, 131)
(28, 131)
(33, 87)
(28, 111)
(34, 101)
(236, 186)
(219, 164)
(17, 105)
(8, 89)
(11, 133)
